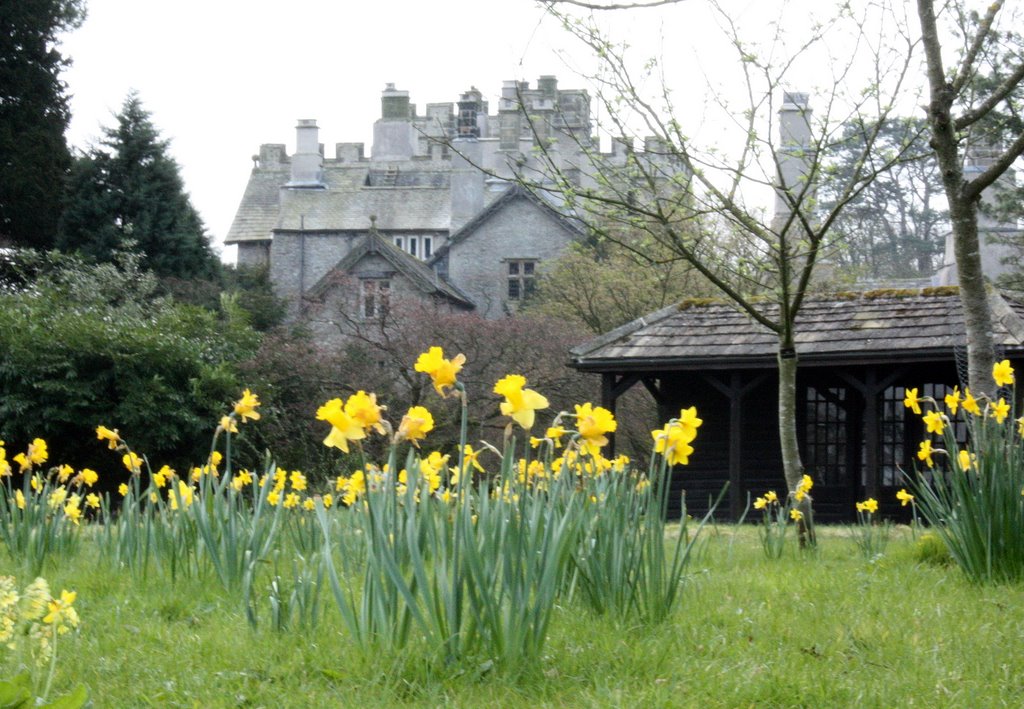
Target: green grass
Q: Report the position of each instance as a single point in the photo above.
(827, 629)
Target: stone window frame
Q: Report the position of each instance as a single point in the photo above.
(520, 278)
(374, 297)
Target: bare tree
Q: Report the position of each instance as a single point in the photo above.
(956, 109)
(685, 198)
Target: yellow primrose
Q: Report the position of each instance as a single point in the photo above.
(442, 371)
(904, 497)
(1002, 373)
(912, 402)
(246, 406)
(520, 404)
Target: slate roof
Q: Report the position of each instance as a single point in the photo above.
(419, 274)
(879, 326)
(514, 192)
(418, 198)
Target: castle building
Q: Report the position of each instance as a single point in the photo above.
(433, 211)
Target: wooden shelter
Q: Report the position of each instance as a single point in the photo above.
(856, 353)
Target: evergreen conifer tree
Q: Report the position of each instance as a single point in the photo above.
(34, 113)
(127, 192)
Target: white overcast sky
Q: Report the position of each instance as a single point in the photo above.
(220, 77)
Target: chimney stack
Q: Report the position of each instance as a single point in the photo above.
(794, 155)
(308, 160)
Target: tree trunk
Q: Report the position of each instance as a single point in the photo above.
(792, 466)
(981, 353)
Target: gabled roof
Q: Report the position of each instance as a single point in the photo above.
(876, 326)
(417, 272)
(396, 208)
(515, 192)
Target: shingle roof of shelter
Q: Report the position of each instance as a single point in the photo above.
(852, 328)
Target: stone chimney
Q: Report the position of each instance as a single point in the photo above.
(794, 154)
(467, 182)
(394, 137)
(308, 160)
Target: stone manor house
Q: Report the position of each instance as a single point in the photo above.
(431, 213)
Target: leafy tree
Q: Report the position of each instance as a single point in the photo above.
(896, 227)
(603, 285)
(685, 196)
(128, 193)
(34, 113)
(957, 112)
(83, 345)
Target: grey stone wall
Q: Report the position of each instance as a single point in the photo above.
(479, 265)
(253, 254)
(303, 255)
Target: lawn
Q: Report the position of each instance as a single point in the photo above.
(827, 628)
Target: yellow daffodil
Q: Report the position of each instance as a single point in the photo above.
(36, 483)
(770, 496)
(672, 442)
(869, 505)
(328, 500)
(415, 425)
(520, 404)
(796, 514)
(291, 500)
(37, 454)
(442, 371)
(804, 487)
(132, 462)
(228, 424)
(970, 404)
(64, 472)
(298, 480)
(363, 409)
(111, 436)
(593, 423)
(760, 503)
(57, 497)
(924, 452)
(89, 476)
(966, 460)
(953, 400)
(343, 427)
(912, 402)
(92, 500)
(934, 422)
(246, 406)
(904, 497)
(19, 499)
(122, 489)
(1000, 410)
(555, 433)
(1002, 373)
(1020, 427)
(72, 510)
